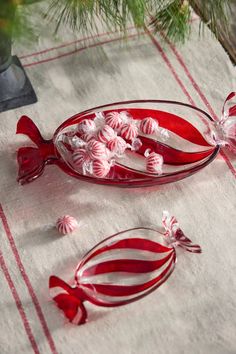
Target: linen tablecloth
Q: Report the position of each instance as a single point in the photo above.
(194, 311)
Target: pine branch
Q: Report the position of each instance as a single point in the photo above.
(82, 14)
(169, 16)
(173, 19)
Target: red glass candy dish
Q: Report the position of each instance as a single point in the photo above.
(121, 269)
(187, 139)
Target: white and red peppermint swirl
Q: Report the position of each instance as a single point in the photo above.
(148, 126)
(100, 168)
(66, 224)
(114, 120)
(117, 145)
(129, 131)
(106, 134)
(88, 137)
(96, 149)
(154, 163)
(79, 157)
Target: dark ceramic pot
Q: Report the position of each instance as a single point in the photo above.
(15, 87)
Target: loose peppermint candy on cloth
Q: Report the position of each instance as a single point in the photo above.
(121, 269)
(66, 224)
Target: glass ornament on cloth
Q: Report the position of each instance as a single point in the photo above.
(121, 269)
(187, 138)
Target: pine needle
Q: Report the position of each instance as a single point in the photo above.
(174, 20)
(169, 16)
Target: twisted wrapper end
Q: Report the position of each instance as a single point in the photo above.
(32, 160)
(226, 125)
(67, 300)
(175, 237)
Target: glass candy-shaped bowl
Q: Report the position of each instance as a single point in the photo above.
(121, 269)
(187, 138)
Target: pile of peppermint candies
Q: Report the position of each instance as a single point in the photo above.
(98, 142)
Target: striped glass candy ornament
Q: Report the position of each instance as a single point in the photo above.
(188, 139)
(121, 269)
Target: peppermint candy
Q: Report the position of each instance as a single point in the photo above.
(87, 137)
(66, 224)
(154, 163)
(106, 134)
(100, 168)
(114, 120)
(148, 126)
(79, 157)
(129, 131)
(96, 149)
(117, 145)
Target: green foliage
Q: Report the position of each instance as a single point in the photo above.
(169, 16)
(84, 14)
(174, 20)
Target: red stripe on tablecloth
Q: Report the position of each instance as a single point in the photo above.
(168, 63)
(80, 50)
(27, 282)
(67, 44)
(202, 96)
(18, 304)
(193, 82)
(158, 46)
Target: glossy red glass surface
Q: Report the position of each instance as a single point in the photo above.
(187, 149)
(121, 269)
